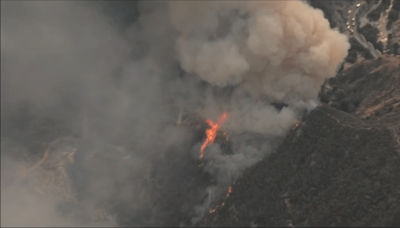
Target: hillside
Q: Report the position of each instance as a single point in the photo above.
(336, 168)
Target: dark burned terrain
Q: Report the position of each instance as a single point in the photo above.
(339, 167)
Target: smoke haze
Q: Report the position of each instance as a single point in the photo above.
(114, 87)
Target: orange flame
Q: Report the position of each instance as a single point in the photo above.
(229, 191)
(212, 210)
(297, 124)
(212, 132)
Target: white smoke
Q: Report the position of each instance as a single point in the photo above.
(271, 51)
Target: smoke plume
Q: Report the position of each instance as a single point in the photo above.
(284, 47)
(116, 85)
(275, 51)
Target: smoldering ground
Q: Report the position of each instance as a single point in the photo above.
(116, 91)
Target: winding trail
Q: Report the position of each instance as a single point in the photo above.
(354, 24)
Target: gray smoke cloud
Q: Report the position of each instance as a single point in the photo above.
(116, 87)
(64, 60)
(276, 51)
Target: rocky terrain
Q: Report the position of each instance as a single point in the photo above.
(376, 21)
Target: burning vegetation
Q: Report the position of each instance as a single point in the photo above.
(212, 132)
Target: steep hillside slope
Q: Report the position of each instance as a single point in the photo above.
(336, 168)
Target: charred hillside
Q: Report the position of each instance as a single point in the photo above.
(369, 89)
(335, 169)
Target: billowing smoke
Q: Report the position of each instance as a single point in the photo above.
(285, 47)
(276, 51)
(118, 90)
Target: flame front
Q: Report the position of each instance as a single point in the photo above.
(212, 210)
(212, 132)
(297, 124)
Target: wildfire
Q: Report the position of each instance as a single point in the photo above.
(212, 132)
(297, 124)
(212, 210)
